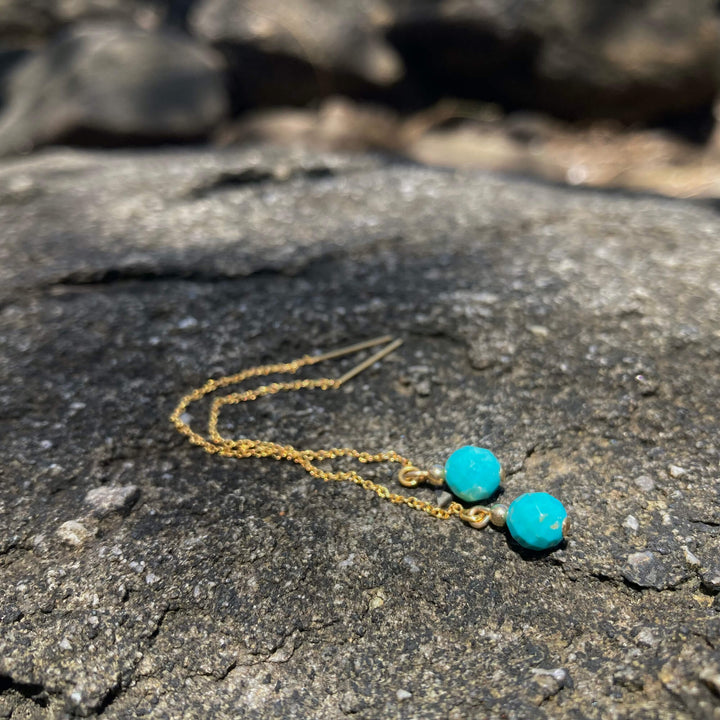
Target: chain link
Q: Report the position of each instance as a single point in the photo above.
(216, 444)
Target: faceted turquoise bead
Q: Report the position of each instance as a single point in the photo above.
(535, 520)
(472, 473)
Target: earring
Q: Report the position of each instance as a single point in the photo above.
(536, 520)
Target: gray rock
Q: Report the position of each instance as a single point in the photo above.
(645, 483)
(632, 61)
(30, 23)
(711, 580)
(107, 499)
(75, 532)
(112, 84)
(292, 51)
(128, 279)
(647, 570)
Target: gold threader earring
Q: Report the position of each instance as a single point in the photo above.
(536, 521)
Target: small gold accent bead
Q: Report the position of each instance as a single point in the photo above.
(498, 514)
(436, 475)
(567, 527)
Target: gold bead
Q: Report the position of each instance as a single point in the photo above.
(436, 475)
(498, 514)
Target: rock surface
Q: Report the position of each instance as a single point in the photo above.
(594, 58)
(113, 85)
(296, 50)
(29, 23)
(573, 332)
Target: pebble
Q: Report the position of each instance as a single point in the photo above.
(690, 557)
(711, 580)
(74, 533)
(403, 695)
(549, 682)
(631, 523)
(645, 482)
(647, 638)
(645, 570)
(560, 675)
(112, 498)
(675, 471)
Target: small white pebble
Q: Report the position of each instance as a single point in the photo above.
(560, 675)
(645, 482)
(111, 498)
(539, 330)
(646, 638)
(675, 471)
(151, 579)
(46, 444)
(65, 644)
(74, 533)
(403, 695)
(631, 523)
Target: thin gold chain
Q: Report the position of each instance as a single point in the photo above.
(216, 444)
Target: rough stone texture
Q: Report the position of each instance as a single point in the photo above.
(113, 84)
(108, 499)
(573, 332)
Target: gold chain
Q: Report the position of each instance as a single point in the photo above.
(215, 444)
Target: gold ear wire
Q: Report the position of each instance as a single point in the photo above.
(307, 459)
(370, 361)
(350, 349)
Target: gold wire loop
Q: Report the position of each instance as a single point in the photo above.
(470, 515)
(410, 476)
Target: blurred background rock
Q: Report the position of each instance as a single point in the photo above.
(598, 92)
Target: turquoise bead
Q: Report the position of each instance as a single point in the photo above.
(472, 473)
(535, 520)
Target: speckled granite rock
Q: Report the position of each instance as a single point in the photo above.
(574, 333)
